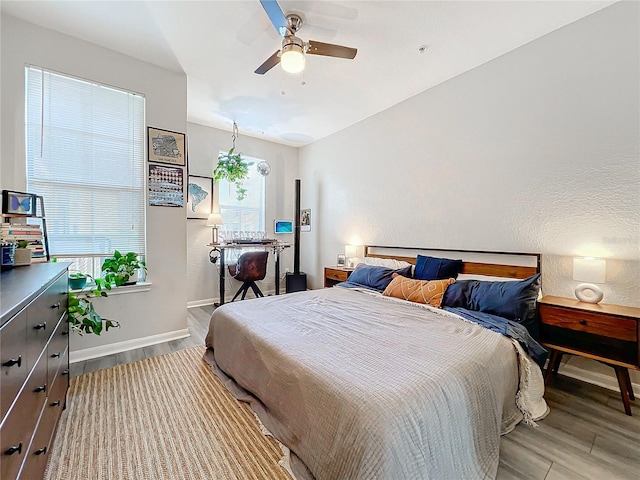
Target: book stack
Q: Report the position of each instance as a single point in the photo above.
(31, 233)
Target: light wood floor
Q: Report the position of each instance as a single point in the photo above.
(585, 436)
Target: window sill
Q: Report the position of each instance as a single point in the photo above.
(124, 289)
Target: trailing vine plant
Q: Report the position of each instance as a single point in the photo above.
(83, 317)
(232, 167)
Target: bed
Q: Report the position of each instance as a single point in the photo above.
(359, 385)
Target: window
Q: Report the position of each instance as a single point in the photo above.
(85, 156)
(248, 214)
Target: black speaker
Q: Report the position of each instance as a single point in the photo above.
(296, 282)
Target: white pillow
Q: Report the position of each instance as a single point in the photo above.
(382, 262)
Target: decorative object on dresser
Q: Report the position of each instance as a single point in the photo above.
(34, 335)
(335, 275)
(607, 333)
(591, 271)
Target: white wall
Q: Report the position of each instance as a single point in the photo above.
(535, 151)
(161, 310)
(204, 145)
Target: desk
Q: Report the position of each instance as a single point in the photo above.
(276, 248)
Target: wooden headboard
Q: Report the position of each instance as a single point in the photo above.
(476, 262)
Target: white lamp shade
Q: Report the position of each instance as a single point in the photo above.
(292, 60)
(350, 251)
(592, 270)
(214, 220)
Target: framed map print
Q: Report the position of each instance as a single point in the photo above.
(199, 197)
(164, 146)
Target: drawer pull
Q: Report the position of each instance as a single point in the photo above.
(13, 361)
(56, 305)
(55, 355)
(64, 332)
(40, 451)
(335, 275)
(55, 404)
(65, 372)
(582, 322)
(40, 326)
(41, 388)
(14, 449)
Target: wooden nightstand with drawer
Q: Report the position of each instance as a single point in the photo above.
(607, 333)
(335, 275)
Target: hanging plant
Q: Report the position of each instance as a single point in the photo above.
(232, 168)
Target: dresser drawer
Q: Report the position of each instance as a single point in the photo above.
(57, 352)
(610, 326)
(44, 314)
(13, 359)
(22, 420)
(36, 458)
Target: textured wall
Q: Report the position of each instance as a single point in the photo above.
(537, 150)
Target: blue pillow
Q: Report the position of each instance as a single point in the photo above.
(513, 300)
(374, 277)
(434, 268)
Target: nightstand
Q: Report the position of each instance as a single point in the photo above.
(335, 275)
(607, 333)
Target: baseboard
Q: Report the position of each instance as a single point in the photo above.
(596, 378)
(104, 350)
(201, 303)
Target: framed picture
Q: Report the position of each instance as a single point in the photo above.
(305, 220)
(165, 186)
(164, 146)
(199, 197)
(18, 203)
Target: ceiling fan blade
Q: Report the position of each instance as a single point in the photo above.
(269, 63)
(274, 12)
(331, 50)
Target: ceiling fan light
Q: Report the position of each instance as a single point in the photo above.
(292, 58)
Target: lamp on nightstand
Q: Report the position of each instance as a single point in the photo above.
(592, 271)
(214, 220)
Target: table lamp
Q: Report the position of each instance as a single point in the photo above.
(592, 271)
(214, 220)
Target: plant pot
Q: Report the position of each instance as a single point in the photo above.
(22, 256)
(77, 283)
(133, 279)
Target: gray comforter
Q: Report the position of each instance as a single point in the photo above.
(366, 387)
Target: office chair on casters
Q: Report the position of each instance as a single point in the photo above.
(251, 267)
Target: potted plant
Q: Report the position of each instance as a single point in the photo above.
(22, 254)
(83, 317)
(234, 169)
(77, 280)
(122, 269)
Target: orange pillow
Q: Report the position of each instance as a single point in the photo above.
(419, 291)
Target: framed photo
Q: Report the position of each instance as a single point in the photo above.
(199, 197)
(164, 146)
(165, 186)
(305, 220)
(18, 203)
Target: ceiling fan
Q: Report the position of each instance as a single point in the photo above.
(293, 51)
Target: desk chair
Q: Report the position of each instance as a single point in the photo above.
(251, 267)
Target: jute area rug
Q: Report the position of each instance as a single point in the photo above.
(165, 417)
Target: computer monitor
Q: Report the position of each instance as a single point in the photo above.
(282, 226)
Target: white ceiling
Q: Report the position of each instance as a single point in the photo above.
(219, 44)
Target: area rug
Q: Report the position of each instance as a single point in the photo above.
(165, 417)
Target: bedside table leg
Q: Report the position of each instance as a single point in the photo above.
(553, 365)
(629, 386)
(625, 386)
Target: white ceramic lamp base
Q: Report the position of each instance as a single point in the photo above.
(589, 293)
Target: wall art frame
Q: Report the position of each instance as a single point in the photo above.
(199, 197)
(165, 146)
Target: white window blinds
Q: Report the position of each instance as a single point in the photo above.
(85, 156)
